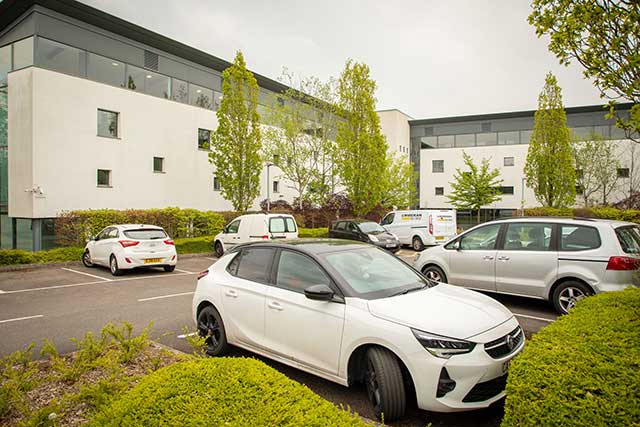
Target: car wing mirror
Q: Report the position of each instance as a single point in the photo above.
(319, 293)
(93, 238)
(456, 245)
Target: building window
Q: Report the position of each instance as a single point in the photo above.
(468, 140)
(105, 70)
(490, 138)
(59, 57)
(428, 131)
(200, 96)
(579, 190)
(505, 190)
(146, 81)
(486, 127)
(437, 166)
(104, 178)
(158, 164)
(108, 123)
(508, 138)
(446, 141)
(276, 186)
(179, 91)
(204, 139)
(5, 64)
(216, 184)
(508, 161)
(439, 191)
(623, 172)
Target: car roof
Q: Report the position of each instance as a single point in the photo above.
(137, 226)
(357, 221)
(312, 246)
(564, 220)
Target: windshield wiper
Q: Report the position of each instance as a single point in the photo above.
(406, 291)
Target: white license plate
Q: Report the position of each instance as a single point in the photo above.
(505, 367)
(391, 245)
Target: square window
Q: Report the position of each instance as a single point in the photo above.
(276, 186)
(623, 172)
(104, 178)
(216, 184)
(439, 191)
(508, 161)
(108, 124)
(204, 139)
(158, 164)
(437, 166)
(505, 190)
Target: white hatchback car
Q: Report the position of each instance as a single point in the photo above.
(122, 247)
(350, 312)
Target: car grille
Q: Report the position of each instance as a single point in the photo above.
(504, 345)
(484, 391)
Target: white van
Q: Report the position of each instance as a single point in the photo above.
(255, 228)
(421, 228)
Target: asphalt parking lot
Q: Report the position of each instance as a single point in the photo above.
(61, 303)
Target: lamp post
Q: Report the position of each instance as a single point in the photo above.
(268, 187)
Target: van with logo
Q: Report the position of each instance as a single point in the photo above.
(420, 228)
(255, 228)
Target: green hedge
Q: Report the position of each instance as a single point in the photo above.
(581, 370)
(219, 392)
(603, 212)
(313, 232)
(16, 256)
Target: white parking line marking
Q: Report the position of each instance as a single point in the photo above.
(21, 318)
(213, 259)
(1, 292)
(87, 274)
(165, 296)
(187, 335)
(533, 317)
(185, 271)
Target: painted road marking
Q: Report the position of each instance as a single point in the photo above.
(87, 274)
(165, 296)
(185, 271)
(1, 292)
(533, 317)
(187, 335)
(21, 318)
(213, 259)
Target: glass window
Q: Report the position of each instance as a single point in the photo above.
(297, 272)
(282, 224)
(157, 85)
(158, 164)
(105, 70)
(233, 227)
(146, 234)
(23, 53)
(437, 166)
(387, 219)
(371, 227)
(623, 172)
(508, 138)
(528, 237)
(60, 57)
(505, 190)
(217, 100)
(629, 238)
(430, 141)
(490, 138)
(179, 91)
(446, 141)
(6, 232)
(508, 161)
(104, 178)
(5, 63)
(291, 225)
(578, 238)
(582, 133)
(617, 133)
(276, 186)
(483, 238)
(602, 130)
(468, 140)
(525, 136)
(216, 184)
(135, 78)
(255, 264)
(439, 191)
(4, 116)
(24, 234)
(200, 96)
(107, 124)
(204, 139)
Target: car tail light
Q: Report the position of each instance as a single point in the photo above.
(127, 243)
(266, 236)
(202, 274)
(169, 242)
(622, 263)
(430, 224)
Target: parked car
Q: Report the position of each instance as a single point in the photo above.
(365, 231)
(558, 259)
(127, 246)
(255, 227)
(420, 228)
(350, 312)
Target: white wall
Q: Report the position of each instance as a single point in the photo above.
(394, 124)
(67, 151)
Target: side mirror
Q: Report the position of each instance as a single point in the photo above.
(225, 230)
(319, 293)
(456, 245)
(93, 238)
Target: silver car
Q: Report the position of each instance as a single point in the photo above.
(557, 259)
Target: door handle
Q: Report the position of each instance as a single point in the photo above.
(488, 257)
(503, 258)
(232, 294)
(275, 306)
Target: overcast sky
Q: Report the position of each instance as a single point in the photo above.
(430, 58)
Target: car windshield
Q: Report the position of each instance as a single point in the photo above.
(629, 238)
(372, 273)
(145, 234)
(371, 227)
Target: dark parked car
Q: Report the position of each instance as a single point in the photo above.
(365, 231)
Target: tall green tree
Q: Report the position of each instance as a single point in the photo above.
(475, 187)
(399, 181)
(361, 147)
(604, 37)
(597, 167)
(549, 168)
(236, 143)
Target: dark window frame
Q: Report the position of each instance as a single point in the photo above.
(433, 166)
(559, 238)
(623, 173)
(275, 270)
(161, 170)
(208, 146)
(117, 114)
(109, 184)
(553, 239)
(268, 273)
(439, 193)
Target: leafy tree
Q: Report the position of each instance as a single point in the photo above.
(597, 164)
(361, 147)
(604, 37)
(476, 187)
(399, 182)
(236, 143)
(549, 168)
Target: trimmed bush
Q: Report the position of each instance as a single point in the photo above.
(194, 245)
(219, 392)
(17, 256)
(581, 370)
(313, 232)
(602, 212)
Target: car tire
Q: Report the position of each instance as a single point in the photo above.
(434, 272)
(217, 247)
(568, 293)
(385, 384)
(169, 268)
(211, 327)
(416, 243)
(113, 266)
(86, 259)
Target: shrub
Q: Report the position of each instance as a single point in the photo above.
(221, 391)
(194, 245)
(583, 369)
(603, 212)
(313, 232)
(17, 256)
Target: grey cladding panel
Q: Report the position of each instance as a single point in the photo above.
(24, 29)
(202, 78)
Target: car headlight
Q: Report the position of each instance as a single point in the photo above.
(373, 238)
(440, 346)
(394, 236)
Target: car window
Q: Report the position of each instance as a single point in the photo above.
(483, 238)
(578, 238)
(629, 238)
(113, 233)
(233, 265)
(103, 234)
(528, 237)
(145, 234)
(297, 272)
(352, 227)
(340, 225)
(276, 225)
(233, 227)
(387, 219)
(291, 225)
(255, 264)
(371, 227)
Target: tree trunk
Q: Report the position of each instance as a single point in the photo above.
(478, 215)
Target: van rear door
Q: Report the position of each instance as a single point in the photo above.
(442, 225)
(283, 227)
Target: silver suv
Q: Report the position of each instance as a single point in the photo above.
(556, 259)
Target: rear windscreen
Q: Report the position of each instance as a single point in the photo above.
(629, 238)
(145, 234)
(282, 224)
